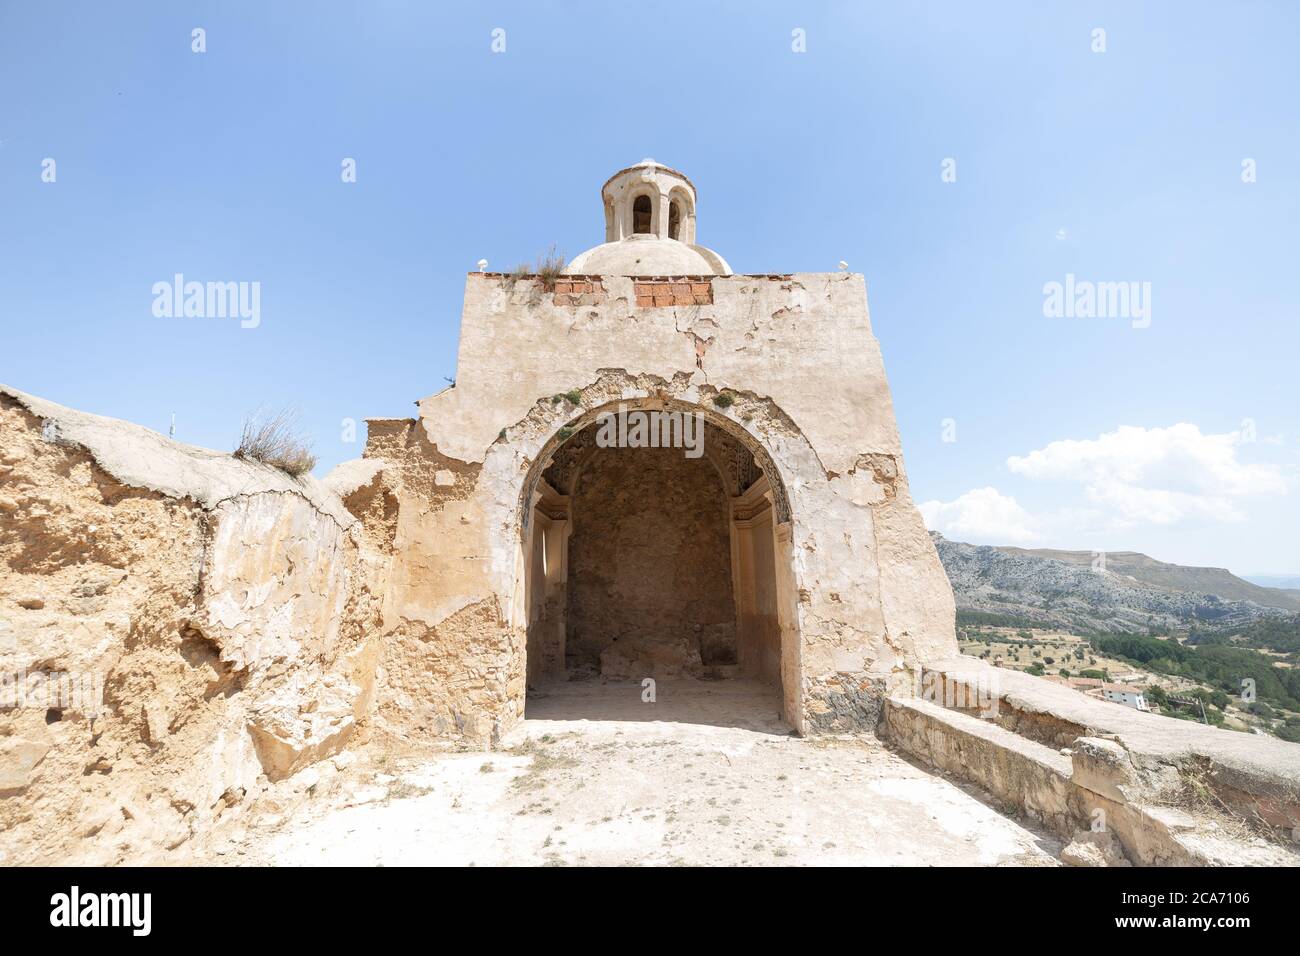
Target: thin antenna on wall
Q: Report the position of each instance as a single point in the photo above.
(171, 432)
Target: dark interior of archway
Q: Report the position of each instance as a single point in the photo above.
(649, 583)
(650, 589)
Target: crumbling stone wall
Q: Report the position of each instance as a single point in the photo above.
(448, 663)
(649, 565)
(785, 363)
(861, 595)
(213, 621)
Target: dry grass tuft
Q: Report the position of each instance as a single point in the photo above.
(549, 267)
(1195, 794)
(273, 439)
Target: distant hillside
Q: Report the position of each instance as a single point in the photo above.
(1060, 589)
(1289, 582)
(1175, 577)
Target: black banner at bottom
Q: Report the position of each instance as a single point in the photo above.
(334, 905)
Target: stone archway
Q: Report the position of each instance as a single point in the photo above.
(655, 560)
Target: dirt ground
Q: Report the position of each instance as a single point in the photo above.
(706, 775)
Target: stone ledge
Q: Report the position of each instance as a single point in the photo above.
(1052, 761)
(1016, 770)
(1254, 773)
(1149, 733)
(1057, 790)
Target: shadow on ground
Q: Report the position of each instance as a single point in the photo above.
(732, 702)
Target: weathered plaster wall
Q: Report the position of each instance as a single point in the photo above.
(450, 663)
(650, 564)
(864, 594)
(804, 341)
(220, 632)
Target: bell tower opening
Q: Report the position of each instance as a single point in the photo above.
(642, 211)
(675, 220)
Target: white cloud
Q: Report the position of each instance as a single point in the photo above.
(981, 515)
(1127, 478)
(1155, 475)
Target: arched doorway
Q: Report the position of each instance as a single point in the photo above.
(658, 552)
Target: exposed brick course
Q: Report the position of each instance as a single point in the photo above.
(664, 291)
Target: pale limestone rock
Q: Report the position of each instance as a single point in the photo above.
(18, 758)
(1083, 854)
(155, 723)
(201, 589)
(298, 727)
(1094, 848)
(344, 760)
(1102, 766)
(1172, 819)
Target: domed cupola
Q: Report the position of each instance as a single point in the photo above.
(649, 227)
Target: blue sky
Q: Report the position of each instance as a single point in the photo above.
(1123, 165)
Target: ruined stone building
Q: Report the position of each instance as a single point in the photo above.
(789, 551)
(182, 631)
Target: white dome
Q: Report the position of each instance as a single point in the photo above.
(649, 228)
(648, 255)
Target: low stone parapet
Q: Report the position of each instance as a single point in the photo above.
(1170, 792)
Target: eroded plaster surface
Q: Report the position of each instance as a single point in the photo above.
(803, 341)
(788, 362)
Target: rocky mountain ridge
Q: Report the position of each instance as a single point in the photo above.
(1132, 594)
